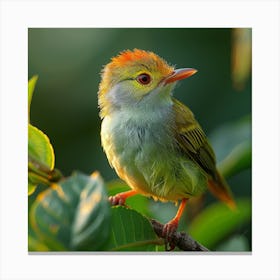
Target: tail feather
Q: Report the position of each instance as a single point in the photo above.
(221, 190)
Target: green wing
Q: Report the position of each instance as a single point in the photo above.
(192, 140)
(193, 143)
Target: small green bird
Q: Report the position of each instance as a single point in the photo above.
(150, 138)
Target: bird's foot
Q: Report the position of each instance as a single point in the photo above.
(117, 199)
(120, 198)
(167, 233)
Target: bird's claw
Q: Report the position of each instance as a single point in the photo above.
(167, 233)
(117, 200)
(169, 229)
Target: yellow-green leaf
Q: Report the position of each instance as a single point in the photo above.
(31, 86)
(31, 187)
(40, 159)
(217, 222)
(39, 147)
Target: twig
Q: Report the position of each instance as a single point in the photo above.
(180, 239)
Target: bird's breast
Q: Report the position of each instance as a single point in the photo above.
(142, 150)
(125, 136)
(132, 142)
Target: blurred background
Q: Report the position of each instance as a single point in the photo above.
(68, 63)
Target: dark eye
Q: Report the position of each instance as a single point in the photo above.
(144, 79)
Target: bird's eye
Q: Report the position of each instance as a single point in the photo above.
(144, 79)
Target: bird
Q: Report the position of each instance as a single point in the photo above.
(151, 139)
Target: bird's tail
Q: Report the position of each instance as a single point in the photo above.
(221, 190)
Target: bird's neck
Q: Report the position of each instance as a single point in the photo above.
(118, 102)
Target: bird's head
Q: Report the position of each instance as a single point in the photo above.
(135, 77)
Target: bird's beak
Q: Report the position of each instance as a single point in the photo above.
(179, 74)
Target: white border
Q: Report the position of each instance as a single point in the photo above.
(262, 16)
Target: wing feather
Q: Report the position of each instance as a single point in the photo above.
(193, 143)
(191, 139)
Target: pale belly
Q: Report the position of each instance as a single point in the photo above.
(145, 157)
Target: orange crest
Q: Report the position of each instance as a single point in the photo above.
(127, 64)
(128, 57)
(127, 60)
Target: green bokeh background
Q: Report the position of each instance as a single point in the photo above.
(65, 107)
(69, 61)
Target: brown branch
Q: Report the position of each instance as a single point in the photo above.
(180, 239)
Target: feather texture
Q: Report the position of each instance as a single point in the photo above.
(151, 139)
(193, 143)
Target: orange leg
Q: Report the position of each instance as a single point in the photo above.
(172, 225)
(120, 198)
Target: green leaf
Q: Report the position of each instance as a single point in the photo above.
(241, 56)
(72, 215)
(40, 151)
(140, 203)
(238, 159)
(217, 222)
(35, 245)
(39, 147)
(116, 186)
(31, 188)
(233, 146)
(237, 243)
(40, 159)
(31, 86)
(131, 232)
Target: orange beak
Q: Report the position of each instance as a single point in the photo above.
(179, 74)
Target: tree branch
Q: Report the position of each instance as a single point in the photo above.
(180, 239)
